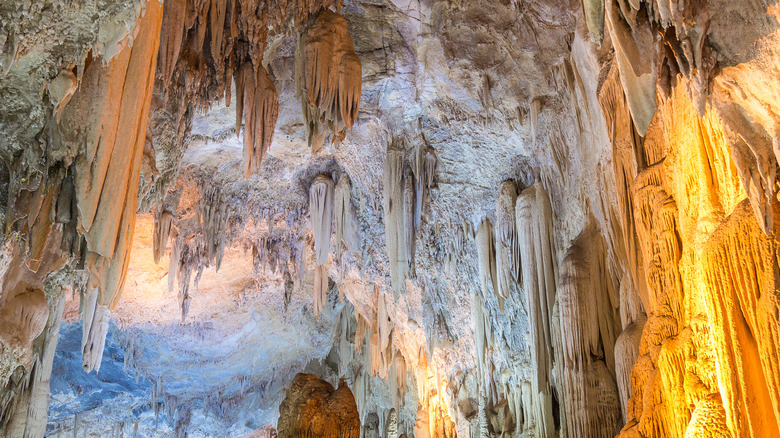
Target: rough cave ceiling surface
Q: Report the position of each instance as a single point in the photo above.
(524, 218)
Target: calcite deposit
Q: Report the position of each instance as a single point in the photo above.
(390, 218)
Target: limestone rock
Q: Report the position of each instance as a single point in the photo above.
(314, 408)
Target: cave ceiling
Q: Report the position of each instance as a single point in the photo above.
(390, 218)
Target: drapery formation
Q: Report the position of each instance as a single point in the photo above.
(108, 113)
(321, 200)
(258, 102)
(328, 78)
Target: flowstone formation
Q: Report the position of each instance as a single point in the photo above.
(502, 218)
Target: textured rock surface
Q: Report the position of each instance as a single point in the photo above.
(532, 218)
(313, 407)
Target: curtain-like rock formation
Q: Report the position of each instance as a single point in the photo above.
(258, 102)
(539, 278)
(328, 78)
(588, 319)
(321, 199)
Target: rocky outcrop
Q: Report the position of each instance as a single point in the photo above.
(314, 408)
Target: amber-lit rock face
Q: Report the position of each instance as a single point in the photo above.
(474, 218)
(313, 408)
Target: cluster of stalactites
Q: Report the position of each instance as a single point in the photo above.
(328, 77)
(237, 30)
(107, 118)
(517, 254)
(406, 184)
(321, 203)
(258, 102)
(533, 215)
(653, 40)
(586, 335)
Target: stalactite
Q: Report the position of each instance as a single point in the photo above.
(395, 234)
(635, 55)
(384, 333)
(345, 221)
(163, 222)
(175, 259)
(409, 235)
(486, 253)
(594, 18)
(172, 36)
(374, 354)
(398, 380)
(424, 168)
(507, 252)
(539, 272)
(534, 111)
(328, 78)
(95, 318)
(107, 116)
(626, 355)
(321, 199)
(589, 322)
(259, 105)
(213, 215)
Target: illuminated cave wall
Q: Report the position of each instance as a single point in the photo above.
(550, 218)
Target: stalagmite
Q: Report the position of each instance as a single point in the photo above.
(321, 199)
(258, 102)
(392, 424)
(328, 78)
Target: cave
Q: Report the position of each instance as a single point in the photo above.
(390, 218)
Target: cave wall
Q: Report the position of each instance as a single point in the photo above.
(551, 218)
